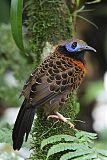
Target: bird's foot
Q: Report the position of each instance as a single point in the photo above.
(59, 116)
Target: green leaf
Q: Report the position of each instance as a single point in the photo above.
(77, 3)
(88, 157)
(57, 138)
(79, 147)
(78, 153)
(66, 146)
(102, 152)
(86, 137)
(101, 157)
(86, 134)
(16, 22)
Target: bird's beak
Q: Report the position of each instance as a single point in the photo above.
(89, 48)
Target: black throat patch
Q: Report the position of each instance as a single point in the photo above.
(77, 55)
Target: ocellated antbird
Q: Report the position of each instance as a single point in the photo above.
(49, 86)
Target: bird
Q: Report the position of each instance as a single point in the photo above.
(50, 85)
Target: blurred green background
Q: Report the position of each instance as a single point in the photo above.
(15, 68)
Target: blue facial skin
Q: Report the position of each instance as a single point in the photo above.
(69, 48)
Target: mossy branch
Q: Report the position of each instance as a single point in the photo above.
(52, 21)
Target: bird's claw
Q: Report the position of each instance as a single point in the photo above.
(71, 125)
(59, 116)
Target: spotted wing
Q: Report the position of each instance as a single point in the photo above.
(54, 77)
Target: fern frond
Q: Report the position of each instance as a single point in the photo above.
(102, 152)
(101, 158)
(61, 147)
(91, 135)
(57, 138)
(86, 136)
(78, 147)
(91, 156)
(68, 146)
(72, 155)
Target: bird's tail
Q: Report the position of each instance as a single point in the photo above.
(23, 124)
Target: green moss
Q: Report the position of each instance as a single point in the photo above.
(48, 20)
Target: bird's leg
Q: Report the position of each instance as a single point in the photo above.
(53, 116)
(62, 118)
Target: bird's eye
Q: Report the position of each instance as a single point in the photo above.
(74, 45)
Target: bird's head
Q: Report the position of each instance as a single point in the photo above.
(77, 46)
(75, 49)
